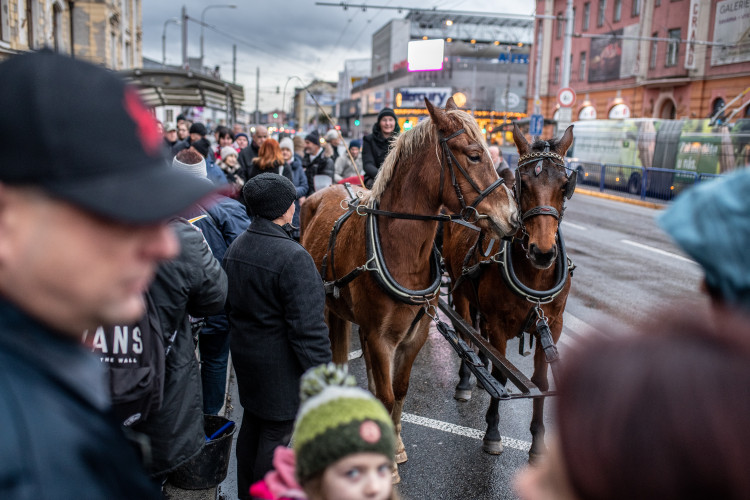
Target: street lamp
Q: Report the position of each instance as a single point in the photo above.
(164, 39)
(203, 22)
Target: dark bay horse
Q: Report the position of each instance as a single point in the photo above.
(541, 186)
(441, 162)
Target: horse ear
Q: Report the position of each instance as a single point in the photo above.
(566, 141)
(450, 104)
(521, 144)
(437, 114)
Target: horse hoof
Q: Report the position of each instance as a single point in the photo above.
(462, 395)
(401, 457)
(492, 447)
(395, 476)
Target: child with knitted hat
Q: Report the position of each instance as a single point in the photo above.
(343, 440)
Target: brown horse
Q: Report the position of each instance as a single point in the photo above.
(541, 186)
(441, 162)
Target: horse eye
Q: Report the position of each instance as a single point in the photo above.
(475, 159)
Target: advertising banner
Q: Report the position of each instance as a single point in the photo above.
(606, 54)
(413, 97)
(732, 27)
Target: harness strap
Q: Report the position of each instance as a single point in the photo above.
(541, 210)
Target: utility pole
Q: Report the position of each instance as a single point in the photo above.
(565, 115)
(538, 72)
(257, 95)
(184, 38)
(234, 63)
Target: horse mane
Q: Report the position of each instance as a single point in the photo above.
(410, 142)
(540, 144)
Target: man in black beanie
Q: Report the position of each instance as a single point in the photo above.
(276, 326)
(315, 162)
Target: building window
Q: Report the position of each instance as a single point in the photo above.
(30, 24)
(574, 19)
(559, 25)
(600, 16)
(673, 48)
(57, 27)
(636, 9)
(654, 46)
(586, 14)
(582, 68)
(657, 3)
(618, 11)
(557, 70)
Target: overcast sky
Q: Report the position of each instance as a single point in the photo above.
(285, 38)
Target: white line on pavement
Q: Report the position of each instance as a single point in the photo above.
(459, 430)
(657, 250)
(574, 226)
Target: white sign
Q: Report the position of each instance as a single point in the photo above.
(513, 100)
(695, 9)
(731, 27)
(566, 97)
(426, 55)
(619, 112)
(587, 113)
(413, 97)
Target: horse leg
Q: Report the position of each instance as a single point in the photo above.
(465, 380)
(539, 378)
(406, 353)
(492, 442)
(368, 361)
(338, 332)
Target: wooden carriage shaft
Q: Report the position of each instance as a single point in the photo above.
(529, 389)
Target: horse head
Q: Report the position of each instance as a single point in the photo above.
(541, 187)
(469, 183)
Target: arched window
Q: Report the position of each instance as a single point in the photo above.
(668, 110)
(716, 106)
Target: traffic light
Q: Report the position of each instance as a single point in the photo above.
(275, 115)
(356, 123)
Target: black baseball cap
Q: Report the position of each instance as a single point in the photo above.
(82, 135)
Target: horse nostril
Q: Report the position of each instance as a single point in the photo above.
(541, 256)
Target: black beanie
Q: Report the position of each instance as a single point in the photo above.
(313, 137)
(198, 128)
(268, 195)
(386, 112)
(202, 146)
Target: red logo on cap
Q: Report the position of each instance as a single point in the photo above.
(147, 131)
(369, 432)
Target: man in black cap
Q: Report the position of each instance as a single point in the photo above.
(80, 238)
(315, 162)
(277, 330)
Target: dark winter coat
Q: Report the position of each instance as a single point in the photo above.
(295, 173)
(222, 220)
(60, 439)
(194, 284)
(375, 148)
(320, 165)
(277, 329)
(245, 159)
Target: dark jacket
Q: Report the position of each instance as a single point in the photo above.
(245, 159)
(375, 148)
(222, 220)
(60, 439)
(295, 173)
(320, 165)
(277, 329)
(194, 284)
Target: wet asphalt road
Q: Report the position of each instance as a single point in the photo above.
(626, 267)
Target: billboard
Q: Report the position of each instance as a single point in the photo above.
(606, 54)
(731, 26)
(413, 97)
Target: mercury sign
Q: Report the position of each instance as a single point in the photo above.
(413, 97)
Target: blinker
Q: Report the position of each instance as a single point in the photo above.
(571, 186)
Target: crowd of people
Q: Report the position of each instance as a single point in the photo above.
(200, 235)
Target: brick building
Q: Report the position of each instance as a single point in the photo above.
(620, 68)
(99, 31)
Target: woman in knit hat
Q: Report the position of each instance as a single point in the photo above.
(343, 441)
(376, 145)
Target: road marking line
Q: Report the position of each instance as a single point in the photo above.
(659, 251)
(574, 226)
(355, 354)
(459, 430)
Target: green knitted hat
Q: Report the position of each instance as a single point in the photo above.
(337, 419)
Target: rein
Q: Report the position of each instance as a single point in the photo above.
(375, 260)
